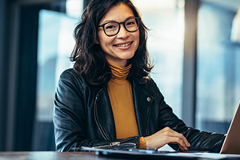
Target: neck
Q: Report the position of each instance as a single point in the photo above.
(118, 71)
(122, 63)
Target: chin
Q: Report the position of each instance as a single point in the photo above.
(129, 55)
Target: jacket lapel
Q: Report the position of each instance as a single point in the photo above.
(104, 115)
(142, 103)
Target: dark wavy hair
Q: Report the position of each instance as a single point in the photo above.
(89, 58)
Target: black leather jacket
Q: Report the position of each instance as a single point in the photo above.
(83, 116)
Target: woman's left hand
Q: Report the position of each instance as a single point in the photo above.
(165, 136)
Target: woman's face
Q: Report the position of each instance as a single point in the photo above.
(121, 47)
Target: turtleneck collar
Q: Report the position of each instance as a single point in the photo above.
(118, 72)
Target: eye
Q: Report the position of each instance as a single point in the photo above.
(111, 26)
(131, 23)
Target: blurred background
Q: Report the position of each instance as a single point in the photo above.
(194, 45)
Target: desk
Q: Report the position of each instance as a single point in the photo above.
(52, 156)
(77, 156)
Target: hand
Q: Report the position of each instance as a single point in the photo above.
(165, 136)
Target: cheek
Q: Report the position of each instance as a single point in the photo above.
(104, 40)
(137, 37)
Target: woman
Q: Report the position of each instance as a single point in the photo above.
(108, 99)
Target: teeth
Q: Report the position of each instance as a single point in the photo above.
(123, 45)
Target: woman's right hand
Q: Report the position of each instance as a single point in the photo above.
(165, 136)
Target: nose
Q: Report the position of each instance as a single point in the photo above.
(123, 33)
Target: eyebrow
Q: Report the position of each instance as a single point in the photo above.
(106, 21)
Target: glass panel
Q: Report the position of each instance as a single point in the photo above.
(55, 45)
(218, 78)
(165, 19)
(74, 8)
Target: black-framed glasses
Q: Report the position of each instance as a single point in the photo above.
(112, 28)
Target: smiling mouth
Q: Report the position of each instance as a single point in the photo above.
(123, 45)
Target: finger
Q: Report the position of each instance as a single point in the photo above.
(181, 136)
(181, 147)
(185, 141)
(171, 133)
(179, 141)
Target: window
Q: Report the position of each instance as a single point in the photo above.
(54, 48)
(165, 19)
(55, 45)
(218, 80)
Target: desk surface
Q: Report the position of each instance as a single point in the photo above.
(52, 156)
(78, 156)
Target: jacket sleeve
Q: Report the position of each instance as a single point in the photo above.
(199, 140)
(69, 118)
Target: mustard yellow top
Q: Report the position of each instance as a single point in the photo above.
(121, 98)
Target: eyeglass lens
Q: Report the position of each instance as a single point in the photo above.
(112, 28)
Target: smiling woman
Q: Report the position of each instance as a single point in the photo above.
(108, 99)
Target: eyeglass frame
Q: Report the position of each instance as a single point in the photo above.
(119, 24)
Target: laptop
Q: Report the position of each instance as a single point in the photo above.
(229, 150)
(231, 144)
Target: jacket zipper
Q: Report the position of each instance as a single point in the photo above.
(96, 119)
(114, 144)
(119, 143)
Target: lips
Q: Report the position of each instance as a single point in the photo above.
(123, 44)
